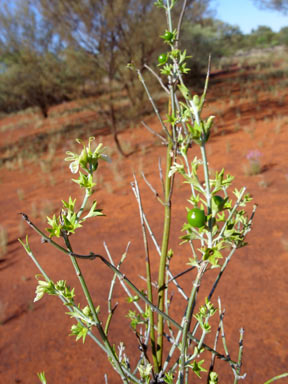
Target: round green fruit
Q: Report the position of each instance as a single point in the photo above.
(196, 217)
(168, 36)
(162, 58)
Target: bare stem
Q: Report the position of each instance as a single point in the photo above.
(148, 275)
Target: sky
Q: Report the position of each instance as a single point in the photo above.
(247, 16)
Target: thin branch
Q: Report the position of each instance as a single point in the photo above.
(47, 239)
(173, 348)
(110, 309)
(180, 22)
(139, 309)
(152, 189)
(153, 105)
(178, 286)
(180, 274)
(172, 278)
(148, 274)
(154, 132)
(222, 328)
(211, 368)
(237, 371)
(203, 97)
(228, 258)
(158, 78)
(158, 249)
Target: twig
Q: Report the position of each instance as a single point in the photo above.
(153, 104)
(110, 309)
(157, 77)
(203, 97)
(158, 249)
(139, 309)
(47, 239)
(237, 371)
(180, 274)
(173, 348)
(222, 327)
(228, 258)
(188, 316)
(180, 22)
(178, 286)
(211, 368)
(172, 278)
(148, 274)
(154, 132)
(152, 189)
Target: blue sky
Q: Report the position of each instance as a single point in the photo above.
(247, 16)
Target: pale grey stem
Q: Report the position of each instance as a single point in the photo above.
(222, 328)
(122, 282)
(152, 235)
(154, 132)
(199, 346)
(158, 78)
(152, 188)
(233, 365)
(172, 278)
(180, 22)
(178, 286)
(153, 104)
(143, 353)
(211, 368)
(203, 97)
(173, 348)
(237, 371)
(155, 284)
(228, 258)
(110, 309)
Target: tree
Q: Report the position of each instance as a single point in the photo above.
(283, 36)
(277, 5)
(210, 37)
(34, 66)
(114, 32)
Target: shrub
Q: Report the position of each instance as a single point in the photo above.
(216, 226)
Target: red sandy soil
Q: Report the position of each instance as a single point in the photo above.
(254, 289)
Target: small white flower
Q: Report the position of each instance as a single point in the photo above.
(74, 166)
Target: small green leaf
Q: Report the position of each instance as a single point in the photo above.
(79, 331)
(197, 368)
(93, 211)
